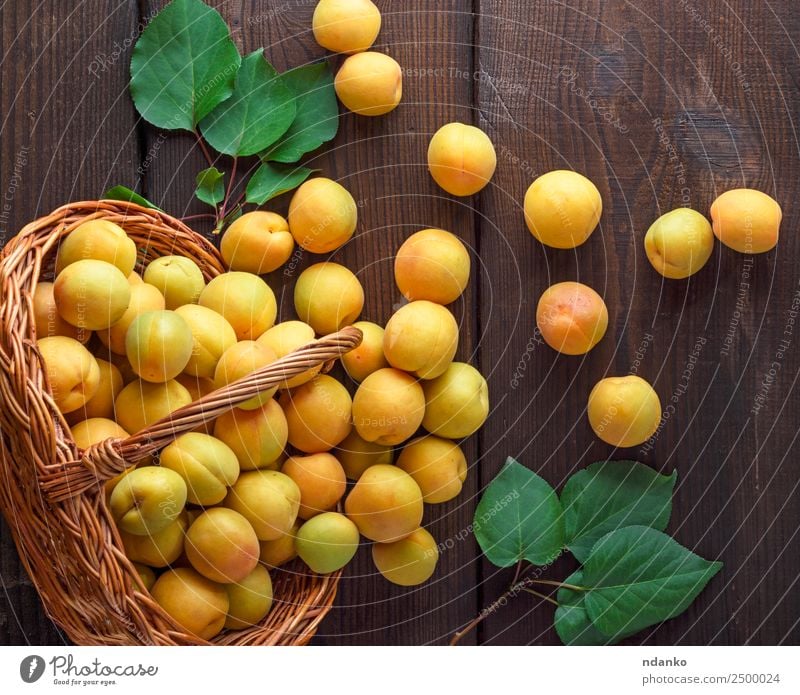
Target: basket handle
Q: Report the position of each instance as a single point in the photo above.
(103, 461)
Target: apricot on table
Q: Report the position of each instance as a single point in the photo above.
(197, 604)
(144, 298)
(421, 337)
(321, 480)
(437, 465)
(346, 26)
(269, 500)
(258, 242)
(179, 279)
(327, 542)
(571, 317)
(285, 337)
(249, 600)
(624, 410)
(257, 437)
(91, 294)
(72, 371)
(212, 335)
(461, 158)
(369, 83)
(245, 300)
(368, 357)
(222, 545)
(158, 345)
(388, 407)
(456, 403)
(385, 504)
(47, 319)
(328, 297)
(101, 240)
(318, 414)
(408, 561)
(679, 243)
(562, 208)
(432, 264)
(322, 215)
(746, 220)
(357, 454)
(141, 403)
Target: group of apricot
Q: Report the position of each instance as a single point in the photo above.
(265, 482)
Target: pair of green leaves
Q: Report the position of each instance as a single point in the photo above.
(187, 74)
(611, 517)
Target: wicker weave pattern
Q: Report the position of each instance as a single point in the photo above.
(52, 494)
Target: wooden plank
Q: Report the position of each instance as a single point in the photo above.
(660, 106)
(67, 134)
(382, 162)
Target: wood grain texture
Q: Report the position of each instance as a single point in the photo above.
(660, 107)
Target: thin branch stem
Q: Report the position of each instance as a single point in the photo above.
(203, 147)
(224, 208)
(544, 597)
(549, 582)
(516, 573)
(199, 216)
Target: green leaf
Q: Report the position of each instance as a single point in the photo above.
(210, 186)
(637, 577)
(317, 118)
(519, 517)
(572, 621)
(271, 179)
(184, 64)
(260, 110)
(611, 494)
(126, 194)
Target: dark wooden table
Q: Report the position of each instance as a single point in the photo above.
(661, 105)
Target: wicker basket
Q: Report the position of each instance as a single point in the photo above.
(51, 493)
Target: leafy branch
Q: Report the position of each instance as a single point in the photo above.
(611, 517)
(187, 74)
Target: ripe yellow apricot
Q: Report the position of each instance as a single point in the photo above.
(157, 549)
(388, 407)
(91, 294)
(212, 335)
(437, 465)
(281, 550)
(357, 454)
(461, 158)
(101, 404)
(368, 357)
(422, 338)
(571, 317)
(624, 410)
(178, 278)
(95, 430)
(269, 500)
(101, 240)
(679, 243)
(321, 480)
(158, 345)
(456, 403)
(327, 542)
(207, 465)
(141, 403)
(249, 599)
(222, 545)
(746, 220)
(147, 500)
(195, 385)
(318, 414)
(328, 297)
(369, 84)
(241, 359)
(285, 337)
(47, 319)
(144, 298)
(409, 561)
(197, 604)
(385, 504)
(146, 574)
(245, 300)
(257, 437)
(346, 26)
(322, 215)
(432, 264)
(258, 242)
(134, 278)
(72, 371)
(562, 208)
